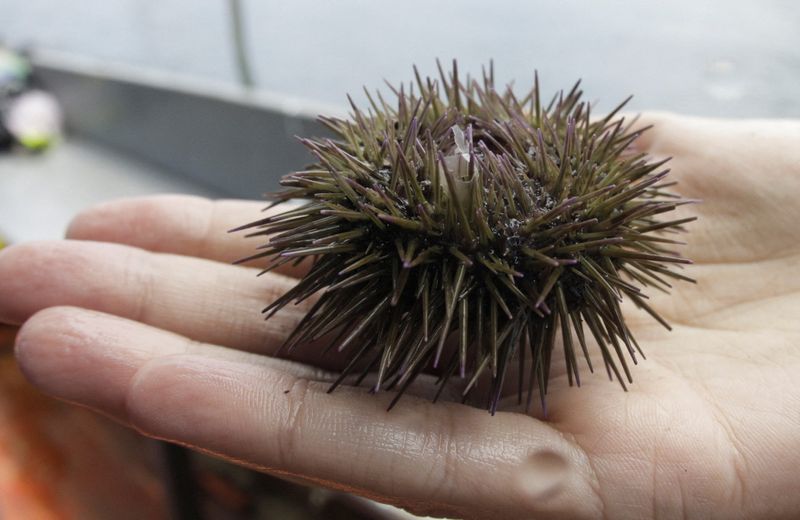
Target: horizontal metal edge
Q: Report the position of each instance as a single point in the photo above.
(235, 141)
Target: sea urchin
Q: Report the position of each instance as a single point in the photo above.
(467, 212)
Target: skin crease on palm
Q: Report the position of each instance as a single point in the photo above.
(140, 316)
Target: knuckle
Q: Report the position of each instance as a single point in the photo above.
(291, 428)
(443, 476)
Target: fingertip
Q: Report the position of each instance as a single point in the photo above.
(85, 357)
(94, 222)
(44, 346)
(82, 226)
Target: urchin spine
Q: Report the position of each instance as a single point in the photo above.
(467, 212)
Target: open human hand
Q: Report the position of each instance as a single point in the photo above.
(140, 316)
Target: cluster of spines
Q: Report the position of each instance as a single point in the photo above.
(498, 222)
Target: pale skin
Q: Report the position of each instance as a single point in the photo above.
(140, 316)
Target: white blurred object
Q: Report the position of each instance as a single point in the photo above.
(35, 119)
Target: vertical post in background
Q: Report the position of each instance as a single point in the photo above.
(239, 49)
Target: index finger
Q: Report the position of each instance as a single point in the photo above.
(178, 224)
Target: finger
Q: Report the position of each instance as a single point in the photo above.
(652, 126)
(63, 342)
(744, 171)
(454, 459)
(200, 299)
(179, 224)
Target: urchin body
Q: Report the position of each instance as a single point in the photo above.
(466, 213)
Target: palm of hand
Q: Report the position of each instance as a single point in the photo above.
(707, 428)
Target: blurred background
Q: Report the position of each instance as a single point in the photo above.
(110, 98)
(713, 57)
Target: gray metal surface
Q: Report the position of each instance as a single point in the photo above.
(234, 142)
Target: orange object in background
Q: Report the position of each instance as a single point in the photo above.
(58, 461)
